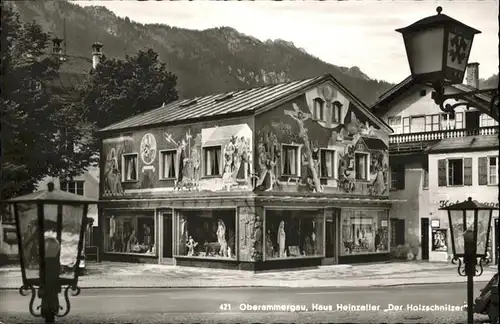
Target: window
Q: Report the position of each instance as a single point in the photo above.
(337, 112)
(417, 124)
(327, 163)
(130, 234)
(459, 120)
(406, 125)
(397, 177)
(395, 123)
(212, 158)
(167, 164)
(423, 92)
(361, 166)
(75, 187)
(364, 231)
(294, 233)
(129, 167)
(493, 170)
(397, 232)
(290, 154)
(455, 172)
(206, 233)
(319, 105)
(486, 121)
(452, 121)
(432, 123)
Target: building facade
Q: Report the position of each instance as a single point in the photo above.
(284, 175)
(437, 159)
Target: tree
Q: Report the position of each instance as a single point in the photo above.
(118, 89)
(32, 117)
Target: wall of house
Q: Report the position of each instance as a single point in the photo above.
(295, 123)
(439, 196)
(187, 145)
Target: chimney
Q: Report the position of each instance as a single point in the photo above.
(472, 77)
(96, 54)
(56, 46)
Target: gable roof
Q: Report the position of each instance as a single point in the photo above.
(254, 100)
(380, 105)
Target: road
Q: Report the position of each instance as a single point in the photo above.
(204, 305)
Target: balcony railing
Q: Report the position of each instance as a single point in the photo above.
(438, 135)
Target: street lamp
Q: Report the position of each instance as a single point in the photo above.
(50, 227)
(438, 49)
(470, 224)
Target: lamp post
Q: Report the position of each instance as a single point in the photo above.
(438, 49)
(50, 227)
(470, 224)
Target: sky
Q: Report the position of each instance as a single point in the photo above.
(346, 33)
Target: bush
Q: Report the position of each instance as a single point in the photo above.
(405, 252)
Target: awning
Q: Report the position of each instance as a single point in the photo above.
(222, 135)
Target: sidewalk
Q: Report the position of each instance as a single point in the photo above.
(127, 275)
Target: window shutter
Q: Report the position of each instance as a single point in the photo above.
(400, 232)
(401, 177)
(442, 173)
(468, 172)
(483, 171)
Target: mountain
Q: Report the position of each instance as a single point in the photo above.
(209, 61)
(491, 82)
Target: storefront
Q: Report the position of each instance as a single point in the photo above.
(276, 233)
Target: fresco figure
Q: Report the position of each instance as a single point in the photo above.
(379, 174)
(112, 174)
(299, 116)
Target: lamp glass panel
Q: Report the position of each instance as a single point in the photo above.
(458, 49)
(483, 222)
(425, 50)
(28, 226)
(457, 230)
(72, 222)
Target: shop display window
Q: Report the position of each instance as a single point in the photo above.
(364, 231)
(294, 233)
(206, 233)
(130, 234)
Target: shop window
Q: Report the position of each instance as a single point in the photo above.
(493, 170)
(319, 109)
(361, 166)
(455, 172)
(75, 187)
(206, 233)
(327, 163)
(290, 160)
(212, 159)
(439, 242)
(167, 164)
(294, 234)
(364, 231)
(130, 234)
(395, 123)
(130, 172)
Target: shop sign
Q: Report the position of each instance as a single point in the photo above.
(446, 203)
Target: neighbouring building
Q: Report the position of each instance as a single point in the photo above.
(438, 159)
(285, 175)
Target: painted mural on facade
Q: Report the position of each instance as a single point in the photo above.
(292, 138)
(114, 148)
(198, 157)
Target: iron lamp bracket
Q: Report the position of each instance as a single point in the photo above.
(61, 311)
(464, 99)
(478, 266)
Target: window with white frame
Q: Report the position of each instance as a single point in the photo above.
(432, 123)
(327, 163)
(130, 172)
(212, 159)
(319, 109)
(75, 187)
(455, 172)
(361, 166)
(406, 125)
(395, 123)
(290, 160)
(337, 112)
(493, 170)
(168, 161)
(486, 121)
(453, 120)
(417, 124)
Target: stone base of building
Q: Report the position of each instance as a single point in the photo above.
(364, 258)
